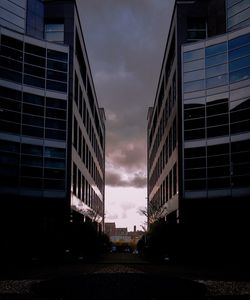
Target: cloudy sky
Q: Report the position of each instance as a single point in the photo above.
(125, 40)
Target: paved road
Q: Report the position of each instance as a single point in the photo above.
(122, 276)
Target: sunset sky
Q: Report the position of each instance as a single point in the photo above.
(125, 40)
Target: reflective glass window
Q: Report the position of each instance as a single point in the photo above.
(241, 74)
(57, 65)
(11, 64)
(194, 113)
(54, 163)
(54, 32)
(40, 72)
(54, 173)
(239, 52)
(9, 146)
(240, 115)
(218, 183)
(34, 60)
(56, 113)
(29, 160)
(11, 42)
(241, 157)
(194, 134)
(60, 76)
(194, 65)
(195, 173)
(33, 49)
(218, 120)
(193, 55)
(193, 86)
(218, 149)
(10, 75)
(217, 70)
(217, 131)
(52, 123)
(216, 59)
(54, 184)
(35, 121)
(31, 171)
(11, 53)
(216, 49)
(31, 182)
(55, 134)
(32, 149)
(240, 17)
(241, 5)
(10, 105)
(33, 99)
(240, 127)
(241, 181)
(54, 152)
(194, 124)
(217, 160)
(194, 152)
(217, 81)
(56, 86)
(195, 75)
(9, 127)
(34, 81)
(219, 106)
(56, 103)
(239, 63)
(33, 109)
(32, 131)
(10, 116)
(52, 54)
(195, 184)
(10, 93)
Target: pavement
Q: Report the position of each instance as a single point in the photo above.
(123, 276)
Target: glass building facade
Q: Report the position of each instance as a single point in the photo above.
(216, 107)
(238, 14)
(52, 131)
(33, 116)
(13, 15)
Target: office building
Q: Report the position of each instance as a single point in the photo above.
(198, 128)
(52, 131)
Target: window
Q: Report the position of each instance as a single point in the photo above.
(240, 75)
(54, 152)
(196, 29)
(216, 49)
(54, 32)
(32, 49)
(52, 54)
(193, 86)
(217, 81)
(33, 99)
(193, 55)
(239, 52)
(217, 70)
(75, 133)
(194, 75)
(239, 41)
(216, 59)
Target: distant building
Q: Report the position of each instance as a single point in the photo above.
(52, 131)
(122, 234)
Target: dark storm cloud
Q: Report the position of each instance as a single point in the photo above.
(125, 42)
(115, 180)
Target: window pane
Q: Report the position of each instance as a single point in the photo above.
(56, 75)
(34, 81)
(52, 54)
(216, 49)
(32, 149)
(239, 41)
(54, 152)
(34, 60)
(193, 55)
(239, 63)
(56, 86)
(33, 99)
(217, 81)
(193, 86)
(239, 52)
(194, 134)
(217, 70)
(195, 152)
(195, 75)
(35, 49)
(217, 131)
(56, 65)
(240, 75)
(57, 103)
(194, 65)
(215, 60)
(54, 36)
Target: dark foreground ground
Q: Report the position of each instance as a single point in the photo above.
(124, 276)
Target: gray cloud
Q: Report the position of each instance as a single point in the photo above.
(125, 42)
(115, 180)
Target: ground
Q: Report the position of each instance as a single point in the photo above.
(123, 276)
